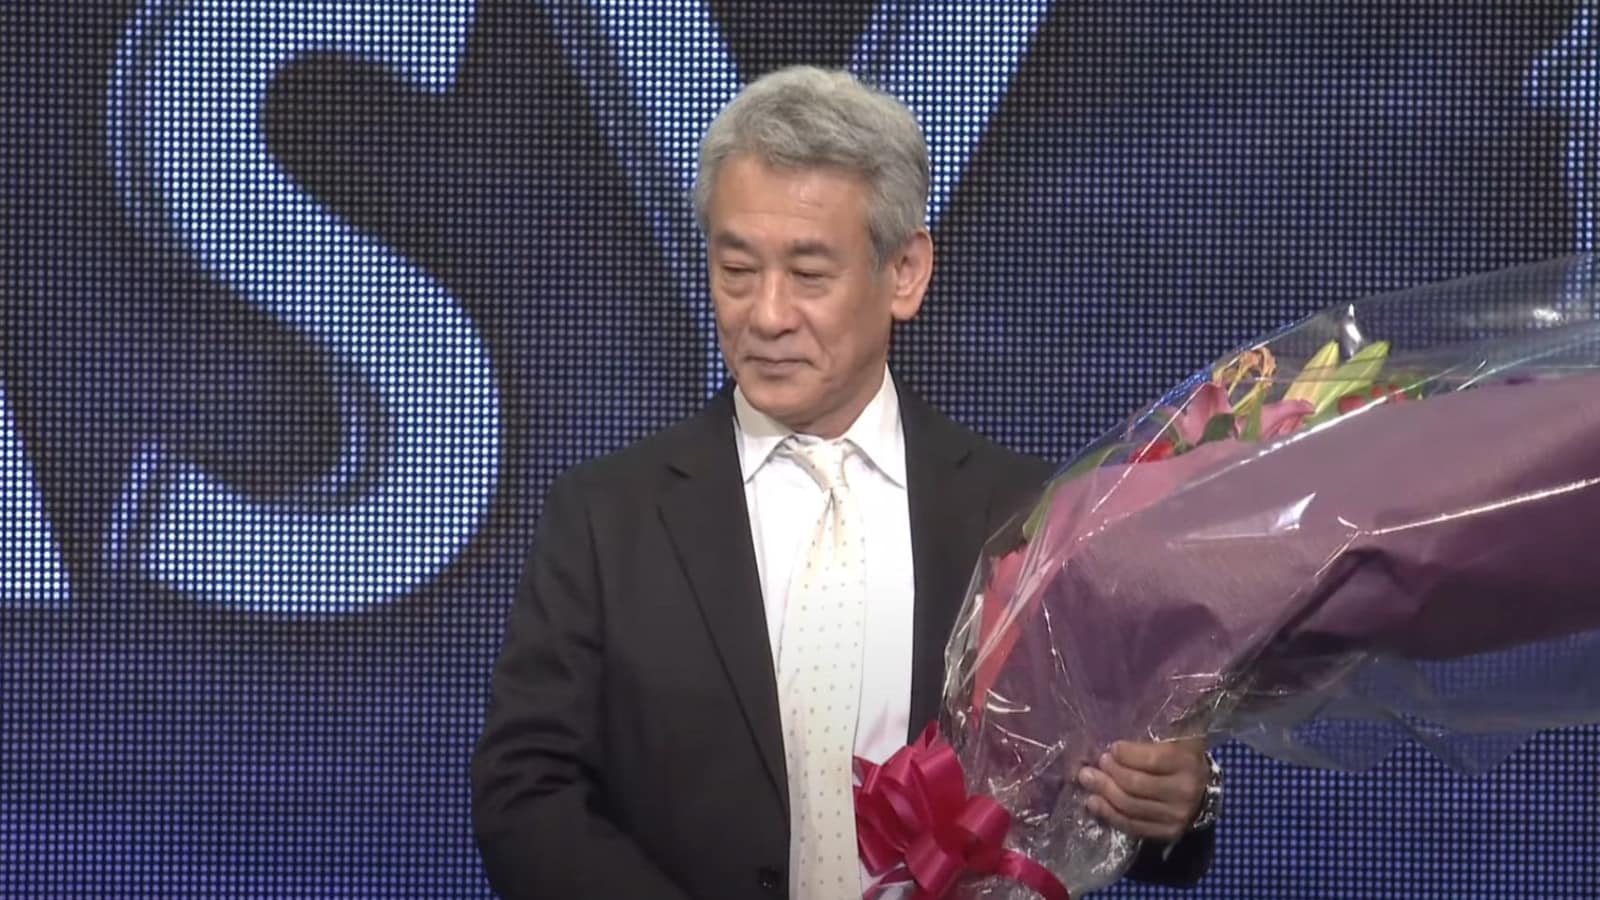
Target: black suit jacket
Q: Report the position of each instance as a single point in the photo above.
(633, 745)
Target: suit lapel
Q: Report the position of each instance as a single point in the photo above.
(704, 512)
(949, 506)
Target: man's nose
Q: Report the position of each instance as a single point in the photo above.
(774, 309)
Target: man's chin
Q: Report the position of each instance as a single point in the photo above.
(779, 398)
(770, 398)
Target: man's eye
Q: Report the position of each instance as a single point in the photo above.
(811, 276)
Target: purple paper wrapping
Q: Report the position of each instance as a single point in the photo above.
(1432, 502)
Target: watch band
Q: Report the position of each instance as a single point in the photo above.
(1211, 801)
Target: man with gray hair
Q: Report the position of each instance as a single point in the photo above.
(716, 619)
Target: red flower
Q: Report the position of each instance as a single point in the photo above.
(1003, 576)
(1349, 403)
(1158, 449)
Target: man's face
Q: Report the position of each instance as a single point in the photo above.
(803, 310)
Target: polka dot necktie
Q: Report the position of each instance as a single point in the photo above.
(819, 686)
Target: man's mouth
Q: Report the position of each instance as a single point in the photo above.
(774, 362)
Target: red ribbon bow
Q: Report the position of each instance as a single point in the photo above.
(915, 822)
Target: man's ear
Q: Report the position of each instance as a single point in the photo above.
(911, 268)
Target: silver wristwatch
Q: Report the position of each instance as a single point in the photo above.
(1211, 800)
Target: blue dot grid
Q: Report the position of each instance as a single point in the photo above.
(1160, 182)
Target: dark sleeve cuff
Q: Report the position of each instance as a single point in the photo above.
(1179, 864)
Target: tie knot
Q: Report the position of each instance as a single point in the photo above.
(823, 461)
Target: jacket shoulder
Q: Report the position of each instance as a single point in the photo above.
(642, 463)
(1009, 466)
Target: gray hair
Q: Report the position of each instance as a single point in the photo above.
(805, 117)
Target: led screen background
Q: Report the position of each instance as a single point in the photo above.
(307, 302)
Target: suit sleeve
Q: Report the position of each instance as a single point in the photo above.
(1179, 864)
(537, 773)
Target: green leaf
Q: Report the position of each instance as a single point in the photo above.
(1252, 424)
(1219, 428)
(1412, 383)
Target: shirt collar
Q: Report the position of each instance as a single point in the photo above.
(876, 434)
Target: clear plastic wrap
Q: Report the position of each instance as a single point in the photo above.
(1372, 526)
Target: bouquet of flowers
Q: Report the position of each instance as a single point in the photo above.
(1370, 526)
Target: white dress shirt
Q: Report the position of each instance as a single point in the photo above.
(784, 503)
